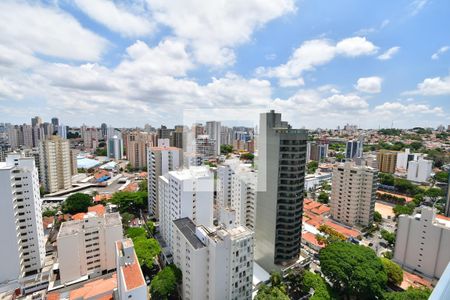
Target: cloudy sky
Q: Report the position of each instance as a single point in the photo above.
(321, 63)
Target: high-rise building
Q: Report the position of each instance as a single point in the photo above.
(403, 159)
(236, 189)
(177, 136)
(164, 132)
(160, 161)
(185, 193)
(62, 131)
(22, 238)
(354, 148)
(90, 137)
(55, 122)
(215, 264)
(422, 242)
(137, 144)
(353, 194)
(36, 121)
(37, 135)
(205, 146)
(387, 161)
(419, 170)
(130, 280)
(87, 246)
(213, 130)
(104, 130)
(74, 161)
(317, 151)
(114, 148)
(55, 164)
(281, 172)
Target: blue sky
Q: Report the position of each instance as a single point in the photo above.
(320, 63)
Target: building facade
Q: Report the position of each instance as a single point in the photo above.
(137, 144)
(387, 161)
(213, 129)
(22, 238)
(115, 147)
(420, 170)
(281, 174)
(354, 148)
(353, 194)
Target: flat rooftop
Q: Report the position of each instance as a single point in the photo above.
(187, 228)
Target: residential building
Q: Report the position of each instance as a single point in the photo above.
(137, 144)
(177, 136)
(216, 264)
(354, 148)
(205, 146)
(353, 194)
(55, 122)
(387, 161)
(403, 159)
(130, 280)
(442, 288)
(420, 170)
(104, 130)
(62, 131)
(317, 151)
(22, 238)
(90, 137)
(86, 247)
(236, 190)
(213, 130)
(114, 147)
(74, 161)
(55, 164)
(422, 242)
(164, 132)
(36, 121)
(185, 193)
(160, 161)
(281, 171)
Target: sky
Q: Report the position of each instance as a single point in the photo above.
(320, 63)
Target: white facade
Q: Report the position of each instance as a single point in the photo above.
(55, 164)
(403, 159)
(423, 243)
(160, 160)
(314, 180)
(213, 130)
(87, 247)
(185, 193)
(216, 264)
(22, 237)
(420, 170)
(236, 190)
(130, 280)
(353, 192)
(115, 147)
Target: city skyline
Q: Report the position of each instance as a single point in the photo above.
(155, 60)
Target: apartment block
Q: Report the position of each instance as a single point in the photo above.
(387, 161)
(215, 263)
(137, 144)
(354, 148)
(213, 129)
(160, 161)
(422, 242)
(55, 165)
(115, 147)
(420, 170)
(22, 238)
(185, 193)
(130, 280)
(281, 178)
(236, 190)
(353, 194)
(87, 247)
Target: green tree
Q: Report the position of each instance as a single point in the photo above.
(143, 185)
(388, 254)
(126, 218)
(135, 232)
(312, 166)
(49, 213)
(402, 210)
(377, 217)
(441, 176)
(386, 178)
(130, 202)
(388, 236)
(150, 227)
(226, 149)
(146, 250)
(331, 235)
(322, 290)
(394, 272)
(353, 270)
(434, 193)
(247, 156)
(101, 152)
(409, 294)
(271, 293)
(164, 284)
(77, 203)
(323, 198)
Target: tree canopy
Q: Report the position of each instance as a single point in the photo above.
(143, 185)
(377, 217)
(354, 270)
(321, 289)
(226, 149)
(134, 232)
(77, 203)
(394, 272)
(165, 282)
(271, 293)
(312, 166)
(409, 294)
(323, 198)
(441, 176)
(388, 236)
(146, 250)
(130, 202)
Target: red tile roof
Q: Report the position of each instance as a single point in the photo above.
(414, 280)
(132, 187)
(98, 209)
(133, 275)
(102, 197)
(311, 238)
(78, 216)
(344, 230)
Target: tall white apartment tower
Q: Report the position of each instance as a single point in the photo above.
(216, 264)
(55, 164)
(185, 193)
(22, 237)
(160, 161)
(213, 130)
(353, 194)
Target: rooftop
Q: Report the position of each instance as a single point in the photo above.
(101, 289)
(187, 228)
(132, 273)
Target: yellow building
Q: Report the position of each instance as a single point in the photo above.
(387, 160)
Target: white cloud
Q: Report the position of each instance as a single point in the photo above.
(116, 18)
(356, 46)
(36, 29)
(366, 31)
(389, 53)
(440, 51)
(369, 84)
(432, 87)
(395, 108)
(214, 28)
(314, 53)
(416, 6)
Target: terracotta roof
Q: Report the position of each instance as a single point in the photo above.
(414, 280)
(315, 207)
(97, 289)
(320, 210)
(312, 219)
(53, 296)
(100, 173)
(102, 197)
(344, 230)
(311, 238)
(442, 217)
(78, 216)
(132, 187)
(98, 209)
